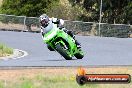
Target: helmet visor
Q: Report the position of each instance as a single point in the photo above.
(44, 21)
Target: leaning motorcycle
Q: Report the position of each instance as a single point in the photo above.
(64, 44)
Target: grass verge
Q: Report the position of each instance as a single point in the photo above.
(57, 78)
(5, 50)
(41, 81)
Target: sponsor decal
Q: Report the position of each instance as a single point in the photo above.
(83, 78)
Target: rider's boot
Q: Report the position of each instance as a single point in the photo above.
(73, 36)
(78, 44)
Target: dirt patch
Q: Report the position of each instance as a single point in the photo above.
(57, 77)
(15, 74)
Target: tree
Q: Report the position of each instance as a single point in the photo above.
(113, 11)
(32, 8)
(127, 13)
(66, 11)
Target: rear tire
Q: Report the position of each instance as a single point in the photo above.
(79, 55)
(60, 50)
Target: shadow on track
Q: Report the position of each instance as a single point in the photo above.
(60, 60)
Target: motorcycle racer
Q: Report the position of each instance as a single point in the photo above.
(45, 21)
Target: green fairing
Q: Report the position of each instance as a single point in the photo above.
(56, 36)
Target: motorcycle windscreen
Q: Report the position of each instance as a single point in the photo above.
(51, 32)
(49, 27)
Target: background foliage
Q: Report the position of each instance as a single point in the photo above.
(113, 11)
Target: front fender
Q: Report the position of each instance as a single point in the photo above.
(60, 42)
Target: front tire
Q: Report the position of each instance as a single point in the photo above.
(50, 48)
(63, 52)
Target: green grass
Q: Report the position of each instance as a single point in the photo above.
(5, 50)
(1, 84)
(41, 81)
(1, 2)
(56, 78)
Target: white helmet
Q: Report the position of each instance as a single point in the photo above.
(44, 19)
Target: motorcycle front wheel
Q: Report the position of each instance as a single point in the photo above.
(63, 52)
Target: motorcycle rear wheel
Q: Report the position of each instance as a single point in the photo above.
(79, 55)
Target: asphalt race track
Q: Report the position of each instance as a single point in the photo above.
(98, 51)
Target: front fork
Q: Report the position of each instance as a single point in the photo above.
(64, 47)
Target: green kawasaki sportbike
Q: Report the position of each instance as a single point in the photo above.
(58, 40)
